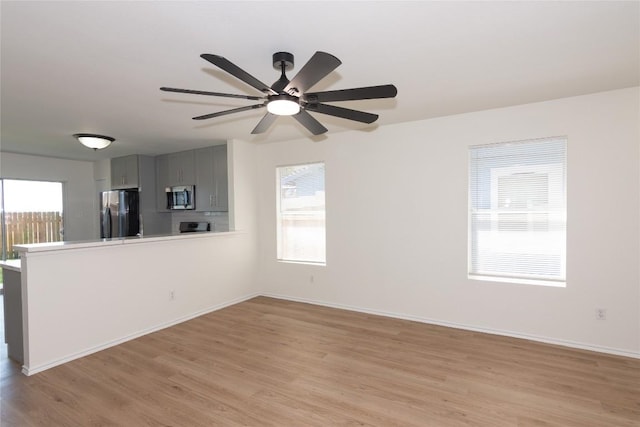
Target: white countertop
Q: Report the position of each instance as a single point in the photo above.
(57, 246)
(11, 264)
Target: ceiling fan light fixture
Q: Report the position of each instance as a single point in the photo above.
(283, 105)
(96, 142)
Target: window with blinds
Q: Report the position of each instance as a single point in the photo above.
(517, 211)
(301, 213)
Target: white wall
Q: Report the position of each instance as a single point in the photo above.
(102, 175)
(80, 197)
(79, 301)
(397, 223)
(243, 188)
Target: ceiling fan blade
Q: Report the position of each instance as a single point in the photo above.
(238, 72)
(312, 125)
(264, 124)
(345, 113)
(370, 92)
(224, 113)
(201, 92)
(320, 64)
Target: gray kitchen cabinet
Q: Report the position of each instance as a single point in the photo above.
(182, 168)
(124, 172)
(162, 182)
(171, 170)
(211, 179)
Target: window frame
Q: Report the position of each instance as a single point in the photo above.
(551, 169)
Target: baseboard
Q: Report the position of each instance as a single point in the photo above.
(512, 334)
(30, 370)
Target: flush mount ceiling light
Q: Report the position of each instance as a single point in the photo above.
(90, 140)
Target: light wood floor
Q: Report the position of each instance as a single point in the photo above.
(267, 362)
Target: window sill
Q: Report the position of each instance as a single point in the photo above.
(287, 261)
(517, 281)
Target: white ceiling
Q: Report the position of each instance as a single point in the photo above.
(79, 66)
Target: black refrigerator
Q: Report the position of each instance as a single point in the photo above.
(119, 213)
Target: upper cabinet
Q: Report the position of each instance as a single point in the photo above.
(176, 168)
(162, 182)
(171, 170)
(124, 172)
(182, 168)
(211, 179)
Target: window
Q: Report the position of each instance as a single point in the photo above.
(301, 213)
(30, 212)
(517, 211)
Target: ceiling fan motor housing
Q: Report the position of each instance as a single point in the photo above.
(282, 61)
(283, 57)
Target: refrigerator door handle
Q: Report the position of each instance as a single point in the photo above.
(106, 223)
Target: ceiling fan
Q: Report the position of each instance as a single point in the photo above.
(290, 97)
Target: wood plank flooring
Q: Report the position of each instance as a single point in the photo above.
(268, 362)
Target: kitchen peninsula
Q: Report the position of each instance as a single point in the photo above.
(82, 297)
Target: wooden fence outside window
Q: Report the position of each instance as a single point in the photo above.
(31, 227)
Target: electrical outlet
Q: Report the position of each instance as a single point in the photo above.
(601, 314)
(172, 295)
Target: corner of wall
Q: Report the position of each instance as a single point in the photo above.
(242, 185)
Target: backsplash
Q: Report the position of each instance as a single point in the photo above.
(219, 220)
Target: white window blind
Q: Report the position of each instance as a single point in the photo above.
(517, 211)
(301, 213)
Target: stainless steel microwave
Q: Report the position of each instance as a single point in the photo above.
(181, 197)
